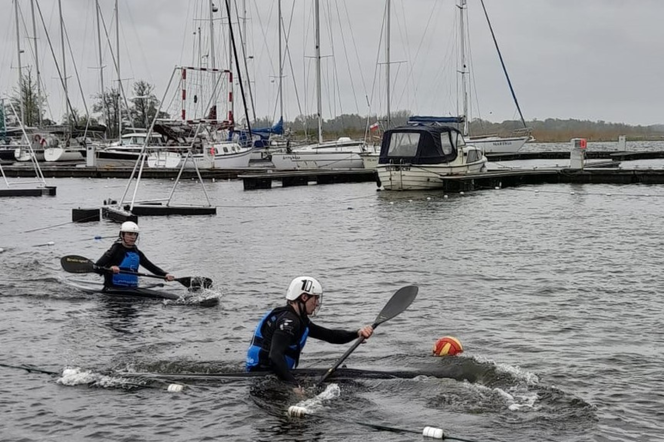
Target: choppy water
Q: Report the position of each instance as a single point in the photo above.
(554, 290)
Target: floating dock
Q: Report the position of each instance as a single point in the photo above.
(253, 181)
(18, 171)
(516, 177)
(37, 191)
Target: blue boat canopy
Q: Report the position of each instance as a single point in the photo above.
(260, 137)
(419, 119)
(420, 144)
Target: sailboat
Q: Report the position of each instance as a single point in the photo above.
(490, 144)
(343, 153)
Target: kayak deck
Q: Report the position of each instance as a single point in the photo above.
(148, 291)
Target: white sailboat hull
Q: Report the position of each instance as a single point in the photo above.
(54, 154)
(499, 144)
(317, 160)
(235, 160)
(423, 176)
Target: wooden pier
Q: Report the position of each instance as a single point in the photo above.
(253, 181)
(516, 177)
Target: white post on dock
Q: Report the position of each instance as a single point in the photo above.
(90, 155)
(577, 155)
(622, 143)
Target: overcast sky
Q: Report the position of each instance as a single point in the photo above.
(582, 59)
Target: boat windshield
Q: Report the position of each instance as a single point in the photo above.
(446, 143)
(403, 144)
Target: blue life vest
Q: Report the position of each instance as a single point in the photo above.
(257, 355)
(130, 262)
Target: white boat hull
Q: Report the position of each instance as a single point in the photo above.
(235, 160)
(423, 176)
(343, 160)
(498, 144)
(23, 154)
(164, 159)
(54, 154)
(370, 160)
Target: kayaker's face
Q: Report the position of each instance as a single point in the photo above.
(311, 304)
(129, 239)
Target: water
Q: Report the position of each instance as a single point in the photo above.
(554, 291)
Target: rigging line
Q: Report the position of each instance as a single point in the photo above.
(140, 46)
(48, 227)
(50, 45)
(345, 52)
(115, 65)
(290, 61)
(267, 53)
(243, 47)
(357, 54)
(78, 81)
(500, 55)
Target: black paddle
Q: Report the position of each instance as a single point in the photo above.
(80, 264)
(395, 306)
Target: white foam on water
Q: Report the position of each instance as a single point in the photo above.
(332, 391)
(78, 376)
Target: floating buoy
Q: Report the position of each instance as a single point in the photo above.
(175, 388)
(447, 346)
(296, 411)
(1, 250)
(433, 432)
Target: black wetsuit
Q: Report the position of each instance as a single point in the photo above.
(280, 337)
(116, 255)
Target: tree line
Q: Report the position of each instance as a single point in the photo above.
(109, 107)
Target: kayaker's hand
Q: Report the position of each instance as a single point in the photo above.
(365, 332)
(115, 269)
(169, 277)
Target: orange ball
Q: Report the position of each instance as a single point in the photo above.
(447, 346)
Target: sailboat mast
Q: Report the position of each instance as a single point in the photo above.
(387, 60)
(101, 67)
(319, 108)
(64, 61)
(34, 33)
(464, 70)
(231, 49)
(281, 66)
(18, 55)
(117, 64)
(213, 63)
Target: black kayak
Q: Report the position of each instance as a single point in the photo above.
(150, 292)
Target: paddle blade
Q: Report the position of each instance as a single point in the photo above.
(77, 264)
(399, 302)
(195, 282)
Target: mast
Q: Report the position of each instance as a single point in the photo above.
(117, 64)
(34, 32)
(231, 51)
(64, 61)
(281, 67)
(101, 67)
(464, 71)
(319, 109)
(20, 72)
(387, 59)
(213, 64)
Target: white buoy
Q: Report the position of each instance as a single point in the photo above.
(296, 411)
(433, 432)
(461, 193)
(1, 250)
(428, 198)
(175, 388)
(497, 188)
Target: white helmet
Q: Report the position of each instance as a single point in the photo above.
(129, 227)
(304, 284)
